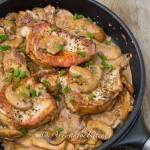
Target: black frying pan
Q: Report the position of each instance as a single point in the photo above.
(133, 133)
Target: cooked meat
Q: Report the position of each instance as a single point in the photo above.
(98, 100)
(39, 107)
(76, 49)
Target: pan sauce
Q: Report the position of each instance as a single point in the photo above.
(72, 104)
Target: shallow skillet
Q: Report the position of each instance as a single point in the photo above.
(133, 133)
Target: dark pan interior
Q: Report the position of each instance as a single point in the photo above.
(118, 31)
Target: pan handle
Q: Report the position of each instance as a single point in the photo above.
(138, 137)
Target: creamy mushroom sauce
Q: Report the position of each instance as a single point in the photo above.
(72, 108)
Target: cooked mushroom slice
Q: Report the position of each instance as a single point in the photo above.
(25, 141)
(70, 147)
(121, 62)
(8, 26)
(39, 12)
(89, 79)
(23, 31)
(18, 98)
(98, 143)
(128, 85)
(111, 51)
(5, 120)
(11, 16)
(14, 43)
(104, 131)
(10, 133)
(44, 144)
(78, 140)
(52, 138)
(50, 43)
(92, 140)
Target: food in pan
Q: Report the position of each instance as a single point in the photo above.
(64, 85)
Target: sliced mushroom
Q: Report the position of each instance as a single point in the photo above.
(128, 85)
(25, 141)
(70, 147)
(39, 12)
(111, 51)
(78, 140)
(16, 99)
(8, 26)
(5, 120)
(14, 43)
(44, 144)
(23, 31)
(53, 138)
(10, 133)
(89, 79)
(98, 143)
(11, 16)
(50, 43)
(104, 131)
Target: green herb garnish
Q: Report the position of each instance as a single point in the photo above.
(28, 86)
(91, 96)
(60, 47)
(62, 72)
(72, 97)
(4, 47)
(77, 76)
(24, 94)
(23, 130)
(66, 89)
(53, 29)
(90, 35)
(83, 54)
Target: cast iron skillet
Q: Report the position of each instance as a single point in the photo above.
(133, 132)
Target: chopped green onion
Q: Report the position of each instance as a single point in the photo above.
(110, 67)
(4, 47)
(24, 94)
(9, 79)
(18, 79)
(22, 50)
(89, 19)
(76, 16)
(23, 130)
(91, 96)
(44, 82)
(90, 35)
(108, 42)
(22, 74)
(66, 89)
(83, 54)
(103, 57)
(18, 85)
(39, 93)
(3, 37)
(105, 65)
(77, 76)
(28, 87)
(16, 72)
(59, 129)
(62, 72)
(60, 47)
(72, 97)
(58, 97)
(76, 31)
(57, 86)
(90, 63)
(33, 93)
(53, 29)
